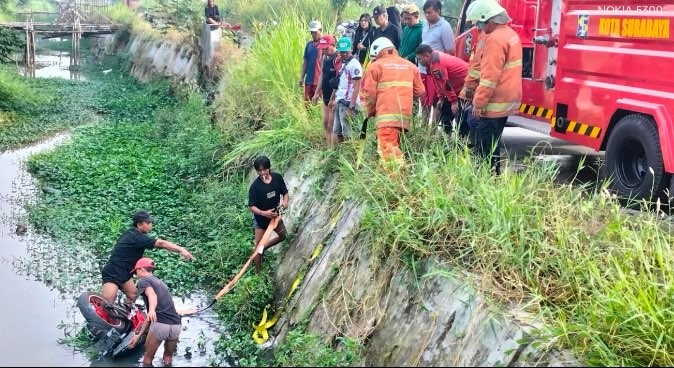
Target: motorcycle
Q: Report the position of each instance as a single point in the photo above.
(110, 326)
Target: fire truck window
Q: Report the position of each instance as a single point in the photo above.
(527, 62)
(464, 24)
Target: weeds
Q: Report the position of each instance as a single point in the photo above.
(603, 280)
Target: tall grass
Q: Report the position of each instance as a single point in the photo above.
(261, 93)
(253, 12)
(601, 279)
(130, 20)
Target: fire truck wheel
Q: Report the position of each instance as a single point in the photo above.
(634, 159)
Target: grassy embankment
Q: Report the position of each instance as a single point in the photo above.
(154, 147)
(601, 279)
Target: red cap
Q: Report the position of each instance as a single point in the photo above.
(143, 263)
(327, 40)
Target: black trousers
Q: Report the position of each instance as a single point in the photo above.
(488, 143)
(447, 116)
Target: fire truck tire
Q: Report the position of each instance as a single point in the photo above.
(634, 159)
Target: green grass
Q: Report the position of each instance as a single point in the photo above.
(256, 11)
(267, 101)
(31, 108)
(9, 10)
(602, 280)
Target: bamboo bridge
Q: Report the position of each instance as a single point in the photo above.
(75, 18)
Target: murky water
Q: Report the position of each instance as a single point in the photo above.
(52, 64)
(31, 311)
(41, 281)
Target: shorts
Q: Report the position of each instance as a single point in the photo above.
(257, 226)
(342, 122)
(309, 91)
(115, 275)
(164, 332)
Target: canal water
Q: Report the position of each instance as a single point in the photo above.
(41, 280)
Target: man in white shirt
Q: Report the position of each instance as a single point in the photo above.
(346, 96)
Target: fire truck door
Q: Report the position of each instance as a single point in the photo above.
(548, 40)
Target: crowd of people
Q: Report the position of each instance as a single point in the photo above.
(394, 61)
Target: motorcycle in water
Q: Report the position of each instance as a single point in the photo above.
(110, 326)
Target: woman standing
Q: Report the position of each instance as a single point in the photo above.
(363, 38)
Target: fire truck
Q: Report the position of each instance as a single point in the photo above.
(599, 74)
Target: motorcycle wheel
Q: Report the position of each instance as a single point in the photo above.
(98, 320)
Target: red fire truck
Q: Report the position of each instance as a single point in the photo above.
(599, 74)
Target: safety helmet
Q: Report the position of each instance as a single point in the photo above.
(379, 44)
(483, 10)
(469, 11)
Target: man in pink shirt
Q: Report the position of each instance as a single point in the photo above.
(448, 73)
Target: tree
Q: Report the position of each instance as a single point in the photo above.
(10, 42)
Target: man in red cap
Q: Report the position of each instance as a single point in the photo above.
(129, 249)
(331, 63)
(163, 322)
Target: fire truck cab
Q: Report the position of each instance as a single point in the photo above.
(598, 74)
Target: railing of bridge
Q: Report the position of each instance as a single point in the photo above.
(90, 11)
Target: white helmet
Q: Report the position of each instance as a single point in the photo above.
(485, 10)
(469, 11)
(379, 44)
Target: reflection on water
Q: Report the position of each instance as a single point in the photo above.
(52, 64)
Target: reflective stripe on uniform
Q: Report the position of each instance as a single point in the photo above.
(501, 106)
(488, 84)
(474, 73)
(512, 64)
(393, 84)
(392, 117)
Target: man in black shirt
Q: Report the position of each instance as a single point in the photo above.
(386, 29)
(265, 194)
(212, 13)
(162, 319)
(130, 247)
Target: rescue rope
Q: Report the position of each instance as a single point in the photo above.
(258, 249)
(260, 333)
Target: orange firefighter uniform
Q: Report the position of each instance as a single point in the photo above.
(389, 87)
(499, 91)
(473, 78)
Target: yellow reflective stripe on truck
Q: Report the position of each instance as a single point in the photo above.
(573, 127)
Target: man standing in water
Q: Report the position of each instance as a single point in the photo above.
(130, 247)
(163, 322)
(265, 194)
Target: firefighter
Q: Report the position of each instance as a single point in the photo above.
(447, 73)
(389, 87)
(472, 78)
(499, 92)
